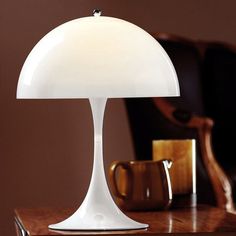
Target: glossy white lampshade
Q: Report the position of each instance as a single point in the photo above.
(97, 56)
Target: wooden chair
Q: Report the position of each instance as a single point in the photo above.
(175, 118)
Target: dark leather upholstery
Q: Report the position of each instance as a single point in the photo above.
(220, 96)
(210, 97)
(187, 62)
(219, 88)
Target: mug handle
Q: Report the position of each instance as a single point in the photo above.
(113, 170)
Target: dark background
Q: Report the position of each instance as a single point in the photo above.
(46, 146)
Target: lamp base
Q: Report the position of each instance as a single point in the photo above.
(97, 215)
(98, 221)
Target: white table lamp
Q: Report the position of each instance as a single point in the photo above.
(97, 57)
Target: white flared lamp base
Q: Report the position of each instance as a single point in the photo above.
(93, 218)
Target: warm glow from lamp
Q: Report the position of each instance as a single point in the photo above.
(97, 57)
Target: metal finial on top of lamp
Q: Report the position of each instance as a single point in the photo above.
(97, 57)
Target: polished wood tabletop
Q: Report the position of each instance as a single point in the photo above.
(202, 220)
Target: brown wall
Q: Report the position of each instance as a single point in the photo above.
(46, 146)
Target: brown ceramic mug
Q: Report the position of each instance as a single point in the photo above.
(141, 185)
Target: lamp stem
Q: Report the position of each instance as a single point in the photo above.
(98, 180)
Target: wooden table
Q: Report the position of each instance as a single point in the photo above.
(203, 220)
